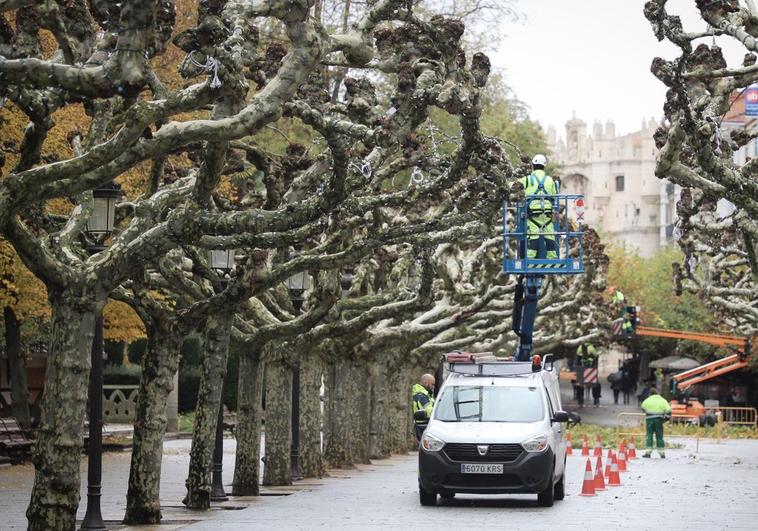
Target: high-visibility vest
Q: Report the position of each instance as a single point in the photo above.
(655, 406)
(422, 399)
(539, 183)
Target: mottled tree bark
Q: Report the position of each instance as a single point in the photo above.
(159, 365)
(337, 425)
(217, 332)
(311, 459)
(359, 408)
(57, 452)
(399, 417)
(19, 387)
(249, 415)
(277, 470)
(378, 447)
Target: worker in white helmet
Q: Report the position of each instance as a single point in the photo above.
(541, 214)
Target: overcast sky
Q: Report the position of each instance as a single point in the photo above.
(589, 56)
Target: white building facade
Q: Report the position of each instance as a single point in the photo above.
(625, 202)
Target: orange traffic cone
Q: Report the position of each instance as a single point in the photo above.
(598, 446)
(609, 460)
(599, 482)
(588, 486)
(632, 453)
(585, 449)
(614, 480)
(622, 460)
(569, 446)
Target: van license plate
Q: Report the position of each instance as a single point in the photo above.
(481, 468)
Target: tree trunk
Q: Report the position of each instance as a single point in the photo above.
(311, 459)
(378, 448)
(19, 387)
(359, 391)
(217, 331)
(249, 415)
(57, 452)
(337, 425)
(400, 411)
(159, 365)
(278, 470)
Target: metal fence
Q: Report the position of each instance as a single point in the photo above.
(633, 424)
(736, 416)
(693, 420)
(630, 425)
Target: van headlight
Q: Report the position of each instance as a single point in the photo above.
(430, 443)
(535, 444)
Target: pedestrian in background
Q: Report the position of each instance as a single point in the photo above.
(596, 390)
(656, 408)
(615, 380)
(578, 392)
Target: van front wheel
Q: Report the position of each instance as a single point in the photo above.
(426, 498)
(560, 488)
(546, 498)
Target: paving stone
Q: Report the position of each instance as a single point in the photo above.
(713, 488)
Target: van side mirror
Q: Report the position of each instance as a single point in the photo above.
(560, 416)
(420, 415)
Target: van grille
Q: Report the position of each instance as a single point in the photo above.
(482, 480)
(497, 453)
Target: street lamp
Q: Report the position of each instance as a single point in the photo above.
(222, 261)
(101, 221)
(346, 281)
(99, 228)
(296, 284)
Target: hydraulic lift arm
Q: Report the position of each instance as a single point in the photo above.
(525, 312)
(683, 380)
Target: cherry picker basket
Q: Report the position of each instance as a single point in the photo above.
(563, 237)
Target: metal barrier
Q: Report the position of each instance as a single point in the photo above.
(630, 421)
(634, 424)
(695, 421)
(737, 416)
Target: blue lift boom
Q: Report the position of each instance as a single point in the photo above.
(532, 270)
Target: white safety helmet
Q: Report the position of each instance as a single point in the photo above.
(539, 160)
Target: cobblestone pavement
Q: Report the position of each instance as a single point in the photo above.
(711, 489)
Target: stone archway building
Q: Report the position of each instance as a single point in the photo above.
(624, 199)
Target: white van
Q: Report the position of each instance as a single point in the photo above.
(497, 427)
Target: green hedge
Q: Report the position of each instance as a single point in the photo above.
(118, 374)
(189, 384)
(189, 371)
(136, 350)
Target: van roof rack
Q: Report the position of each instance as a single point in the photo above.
(458, 364)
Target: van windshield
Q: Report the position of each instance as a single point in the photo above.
(492, 403)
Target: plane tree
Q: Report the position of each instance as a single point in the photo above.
(338, 205)
(717, 211)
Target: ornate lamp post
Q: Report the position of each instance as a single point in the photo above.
(222, 261)
(99, 228)
(297, 284)
(346, 281)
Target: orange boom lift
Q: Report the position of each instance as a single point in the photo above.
(740, 346)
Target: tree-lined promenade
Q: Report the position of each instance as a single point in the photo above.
(344, 168)
(317, 184)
